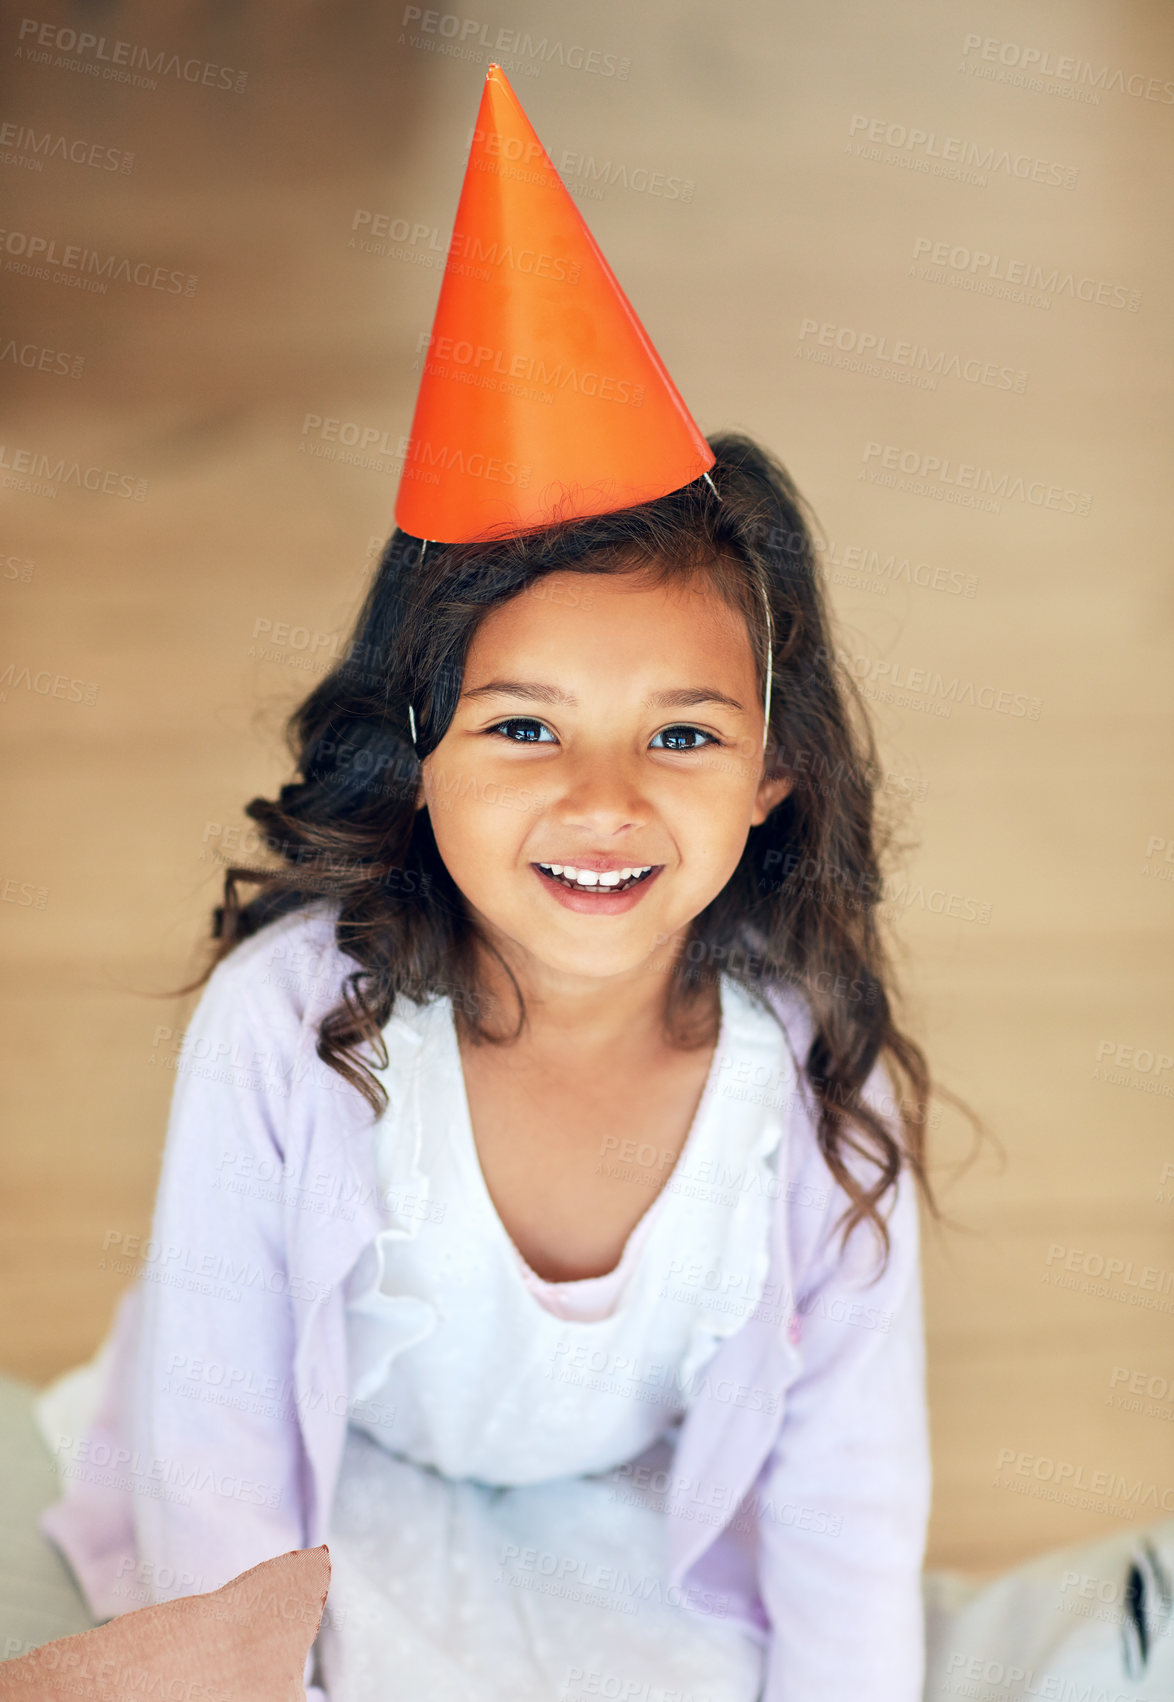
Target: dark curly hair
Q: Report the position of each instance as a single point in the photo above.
(800, 909)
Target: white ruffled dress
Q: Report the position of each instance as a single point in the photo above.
(484, 1546)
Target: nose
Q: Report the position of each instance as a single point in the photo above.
(602, 794)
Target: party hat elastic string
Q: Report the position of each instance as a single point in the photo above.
(770, 636)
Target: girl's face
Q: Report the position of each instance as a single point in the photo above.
(607, 728)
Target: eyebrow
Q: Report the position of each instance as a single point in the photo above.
(682, 697)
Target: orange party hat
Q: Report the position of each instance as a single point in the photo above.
(542, 397)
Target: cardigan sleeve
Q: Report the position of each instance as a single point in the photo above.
(845, 1491)
(188, 1465)
(213, 1414)
(191, 1468)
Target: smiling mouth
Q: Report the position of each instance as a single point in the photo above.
(588, 881)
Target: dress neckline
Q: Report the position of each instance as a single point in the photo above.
(467, 1146)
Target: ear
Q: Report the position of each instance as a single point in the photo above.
(772, 789)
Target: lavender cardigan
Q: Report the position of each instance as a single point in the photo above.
(800, 1483)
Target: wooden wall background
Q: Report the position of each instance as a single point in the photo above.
(1033, 905)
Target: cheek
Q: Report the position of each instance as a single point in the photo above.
(709, 824)
(715, 808)
(470, 815)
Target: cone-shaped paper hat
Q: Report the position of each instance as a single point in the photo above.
(542, 397)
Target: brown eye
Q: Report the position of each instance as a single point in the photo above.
(682, 738)
(521, 730)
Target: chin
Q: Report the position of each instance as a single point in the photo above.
(592, 965)
(593, 960)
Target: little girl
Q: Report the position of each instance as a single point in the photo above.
(538, 1217)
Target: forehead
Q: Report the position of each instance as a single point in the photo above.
(616, 620)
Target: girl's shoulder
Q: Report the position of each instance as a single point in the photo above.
(275, 988)
(793, 1013)
(290, 972)
(809, 1177)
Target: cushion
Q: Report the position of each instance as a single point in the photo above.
(1093, 1622)
(245, 1642)
(39, 1598)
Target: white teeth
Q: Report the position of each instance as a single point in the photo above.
(581, 877)
(588, 877)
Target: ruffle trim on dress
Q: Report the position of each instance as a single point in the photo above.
(382, 1324)
(745, 1260)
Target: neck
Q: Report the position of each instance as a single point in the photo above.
(595, 1014)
